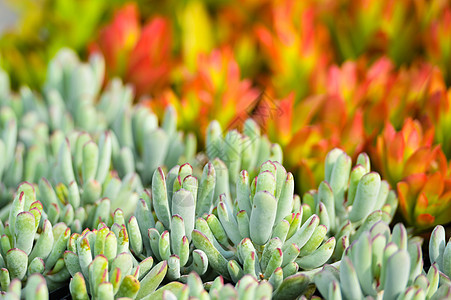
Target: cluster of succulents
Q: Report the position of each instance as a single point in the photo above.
(36, 288)
(104, 182)
(204, 187)
(238, 230)
(241, 151)
(383, 79)
(382, 263)
(101, 265)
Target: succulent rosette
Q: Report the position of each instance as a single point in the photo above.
(424, 199)
(400, 154)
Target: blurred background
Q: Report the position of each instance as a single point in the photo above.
(362, 75)
(8, 17)
(278, 41)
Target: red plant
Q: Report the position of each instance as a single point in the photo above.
(142, 56)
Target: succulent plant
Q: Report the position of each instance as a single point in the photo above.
(240, 151)
(290, 75)
(436, 49)
(383, 265)
(424, 196)
(397, 154)
(73, 101)
(164, 219)
(440, 255)
(261, 233)
(214, 88)
(30, 244)
(125, 44)
(246, 288)
(65, 204)
(80, 187)
(88, 153)
(349, 202)
(36, 288)
(34, 128)
(71, 89)
(101, 264)
(139, 144)
(142, 146)
(12, 151)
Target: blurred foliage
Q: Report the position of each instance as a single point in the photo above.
(361, 75)
(45, 26)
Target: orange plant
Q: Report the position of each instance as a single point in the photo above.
(425, 196)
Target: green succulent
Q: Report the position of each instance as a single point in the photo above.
(84, 189)
(164, 220)
(72, 100)
(141, 146)
(246, 288)
(71, 90)
(261, 233)
(382, 264)
(30, 244)
(36, 288)
(80, 187)
(240, 151)
(12, 152)
(348, 202)
(440, 254)
(101, 265)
